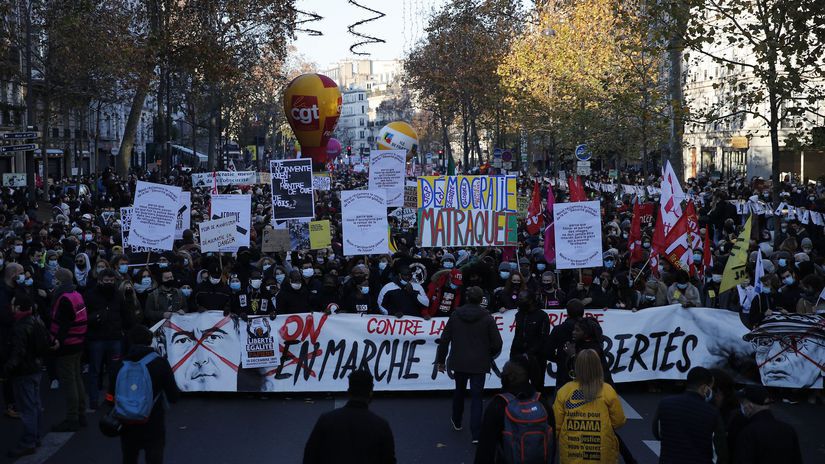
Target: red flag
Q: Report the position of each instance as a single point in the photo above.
(678, 246)
(534, 218)
(707, 257)
(574, 184)
(549, 231)
(659, 235)
(634, 241)
(694, 239)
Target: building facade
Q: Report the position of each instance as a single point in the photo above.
(353, 125)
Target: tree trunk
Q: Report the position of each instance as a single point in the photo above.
(127, 144)
(212, 140)
(677, 123)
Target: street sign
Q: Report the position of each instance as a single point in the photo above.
(583, 153)
(26, 147)
(583, 168)
(19, 135)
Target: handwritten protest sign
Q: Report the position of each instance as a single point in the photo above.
(488, 193)
(387, 173)
(154, 215)
(319, 235)
(238, 207)
(205, 179)
(292, 194)
(184, 214)
(578, 232)
(218, 234)
(364, 217)
(321, 182)
(125, 228)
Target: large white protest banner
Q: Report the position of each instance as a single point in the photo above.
(578, 232)
(205, 179)
(319, 351)
(240, 208)
(218, 234)
(154, 215)
(259, 343)
(184, 214)
(364, 222)
(387, 173)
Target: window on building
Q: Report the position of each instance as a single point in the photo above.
(361, 134)
(361, 122)
(362, 109)
(361, 97)
(66, 132)
(55, 133)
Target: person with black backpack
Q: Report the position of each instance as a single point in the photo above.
(138, 391)
(517, 413)
(30, 344)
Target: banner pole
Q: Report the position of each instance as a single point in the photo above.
(643, 268)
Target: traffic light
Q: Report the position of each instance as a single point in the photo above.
(349, 150)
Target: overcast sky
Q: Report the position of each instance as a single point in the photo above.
(403, 24)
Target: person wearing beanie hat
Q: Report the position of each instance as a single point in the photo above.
(448, 261)
(504, 271)
(445, 293)
(213, 293)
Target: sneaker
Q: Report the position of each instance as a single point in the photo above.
(54, 385)
(11, 412)
(456, 427)
(66, 426)
(20, 452)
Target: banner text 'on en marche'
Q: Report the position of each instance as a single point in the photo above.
(318, 352)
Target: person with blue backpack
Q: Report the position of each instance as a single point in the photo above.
(139, 391)
(518, 425)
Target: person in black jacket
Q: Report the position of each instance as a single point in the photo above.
(109, 319)
(352, 434)
(23, 368)
(532, 329)
(355, 297)
(294, 296)
(561, 335)
(514, 380)
(213, 293)
(764, 439)
(151, 436)
(476, 341)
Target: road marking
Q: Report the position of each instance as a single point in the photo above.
(629, 412)
(654, 445)
(52, 442)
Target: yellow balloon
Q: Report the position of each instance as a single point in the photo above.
(398, 135)
(312, 104)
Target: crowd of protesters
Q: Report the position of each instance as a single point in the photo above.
(64, 254)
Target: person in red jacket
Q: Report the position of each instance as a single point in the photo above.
(444, 293)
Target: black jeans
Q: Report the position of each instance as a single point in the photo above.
(476, 406)
(130, 449)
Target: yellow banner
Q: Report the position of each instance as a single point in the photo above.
(319, 235)
(486, 193)
(736, 267)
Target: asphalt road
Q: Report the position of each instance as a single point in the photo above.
(239, 428)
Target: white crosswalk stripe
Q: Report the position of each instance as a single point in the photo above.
(629, 412)
(654, 445)
(52, 442)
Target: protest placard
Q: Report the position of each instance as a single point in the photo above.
(154, 215)
(578, 233)
(364, 222)
(488, 193)
(14, 179)
(205, 179)
(292, 193)
(218, 234)
(387, 173)
(448, 227)
(410, 194)
(276, 241)
(321, 182)
(259, 342)
(264, 178)
(298, 234)
(184, 214)
(240, 208)
(125, 227)
(319, 235)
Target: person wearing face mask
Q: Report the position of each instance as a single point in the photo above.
(683, 292)
(763, 438)
(130, 300)
(504, 271)
(710, 296)
(788, 294)
(550, 296)
(311, 282)
(82, 270)
(108, 320)
(381, 273)
(585, 291)
(164, 300)
(506, 297)
(689, 426)
(403, 297)
(213, 294)
(445, 293)
(356, 297)
(294, 296)
(328, 298)
(11, 275)
(447, 261)
(253, 300)
(50, 267)
(532, 327)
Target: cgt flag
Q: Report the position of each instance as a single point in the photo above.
(678, 247)
(736, 267)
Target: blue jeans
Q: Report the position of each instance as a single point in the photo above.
(27, 400)
(99, 350)
(476, 388)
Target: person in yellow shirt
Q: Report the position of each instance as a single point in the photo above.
(587, 412)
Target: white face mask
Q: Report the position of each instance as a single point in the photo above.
(214, 280)
(448, 264)
(255, 283)
(295, 285)
(309, 272)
